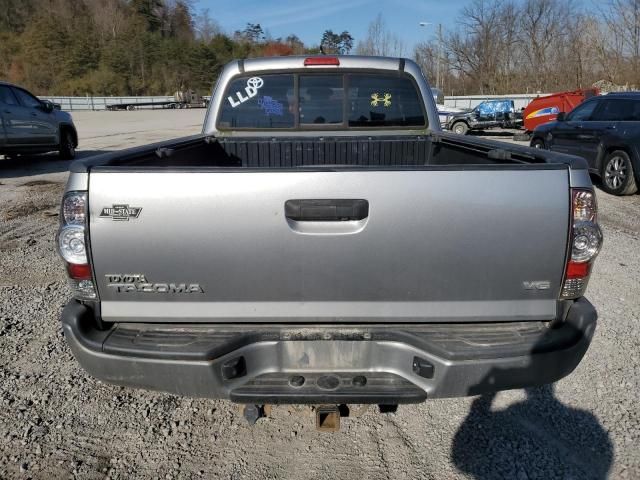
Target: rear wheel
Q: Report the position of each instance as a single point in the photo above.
(538, 143)
(460, 128)
(67, 145)
(617, 174)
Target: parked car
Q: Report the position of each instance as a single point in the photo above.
(604, 130)
(30, 125)
(488, 114)
(324, 242)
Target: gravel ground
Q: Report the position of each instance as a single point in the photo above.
(57, 422)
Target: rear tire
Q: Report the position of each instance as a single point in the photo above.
(460, 128)
(617, 174)
(538, 143)
(67, 145)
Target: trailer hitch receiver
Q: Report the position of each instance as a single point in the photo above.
(328, 418)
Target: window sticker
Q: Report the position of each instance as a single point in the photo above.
(271, 106)
(376, 100)
(253, 84)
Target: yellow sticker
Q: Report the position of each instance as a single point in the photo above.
(376, 99)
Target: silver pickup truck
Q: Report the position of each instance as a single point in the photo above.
(323, 242)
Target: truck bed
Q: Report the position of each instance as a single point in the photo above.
(440, 149)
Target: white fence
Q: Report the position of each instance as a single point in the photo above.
(100, 103)
(470, 101)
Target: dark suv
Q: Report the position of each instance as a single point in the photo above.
(605, 130)
(30, 125)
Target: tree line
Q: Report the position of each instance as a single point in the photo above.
(156, 47)
(525, 46)
(129, 47)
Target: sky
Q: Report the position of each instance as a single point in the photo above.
(310, 18)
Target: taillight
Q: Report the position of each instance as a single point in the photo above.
(72, 244)
(311, 61)
(585, 243)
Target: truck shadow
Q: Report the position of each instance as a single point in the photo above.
(539, 437)
(28, 165)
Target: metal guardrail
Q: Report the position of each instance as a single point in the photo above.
(100, 103)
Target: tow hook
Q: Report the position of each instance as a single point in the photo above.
(328, 418)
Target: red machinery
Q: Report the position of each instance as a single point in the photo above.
(545, 109)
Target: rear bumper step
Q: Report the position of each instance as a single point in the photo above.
(263, 364)
(319, 388)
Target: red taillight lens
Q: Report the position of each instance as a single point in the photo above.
(585, 242)
(79, 272)
(311, 61)
(578, 270)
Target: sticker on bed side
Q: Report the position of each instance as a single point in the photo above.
(376, 100)
(253, 84)
(271, 106)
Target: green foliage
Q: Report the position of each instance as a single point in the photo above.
(336, 43)
(14, 14)
(150, 11)
(101, 82)
(125, 47)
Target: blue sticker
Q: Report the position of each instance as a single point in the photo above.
(271, 106)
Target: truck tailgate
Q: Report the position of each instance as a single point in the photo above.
(421, 245)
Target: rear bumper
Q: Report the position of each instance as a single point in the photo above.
(399, 363)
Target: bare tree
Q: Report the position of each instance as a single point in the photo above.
(108, 16)
(477, 48)
(542, 28)
(426, 55)
(625, 16)
(379, 40)
(206, 28)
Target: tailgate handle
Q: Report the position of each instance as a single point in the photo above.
(335, 210)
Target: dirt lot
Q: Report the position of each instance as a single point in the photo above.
(57, 422)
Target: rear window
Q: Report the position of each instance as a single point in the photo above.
(321, 99)
(264, 101)
(330, 101)
(379, 101)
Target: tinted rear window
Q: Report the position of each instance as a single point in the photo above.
(379, 101)
(319, 100)
(264, 101)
